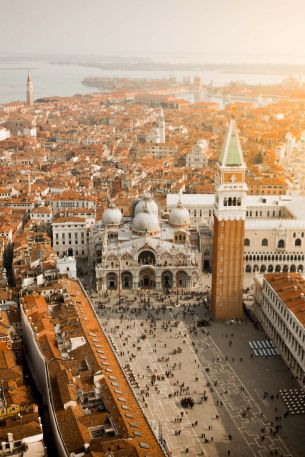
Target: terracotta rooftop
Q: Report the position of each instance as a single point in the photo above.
(290, 287)
(89, 366)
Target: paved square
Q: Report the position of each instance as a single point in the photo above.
(167, 358)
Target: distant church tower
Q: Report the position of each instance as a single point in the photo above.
(29, 90)
(161, 125)
(229, 229)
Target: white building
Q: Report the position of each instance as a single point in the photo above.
(67, 266)
(41, 214)
(68, 200)
(280, 307)
(197, 157)
(157, 135)
(4, 134)
(70, 237)
(274, 229)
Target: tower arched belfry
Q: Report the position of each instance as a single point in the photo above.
(229, 229)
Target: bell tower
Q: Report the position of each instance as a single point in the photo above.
(229, 229)
(29, 90)
(161, 125)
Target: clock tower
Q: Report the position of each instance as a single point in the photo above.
(229, 229)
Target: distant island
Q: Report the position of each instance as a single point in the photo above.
(123, 64)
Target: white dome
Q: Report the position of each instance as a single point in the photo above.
(146, 203)
(112, 216)
(146, 223)
(203, 144)
(179, 217)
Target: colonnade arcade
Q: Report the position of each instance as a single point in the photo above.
(148, 277)
(274, 263)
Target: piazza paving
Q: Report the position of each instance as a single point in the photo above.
(166, 358)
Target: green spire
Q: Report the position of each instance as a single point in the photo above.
(231, 154)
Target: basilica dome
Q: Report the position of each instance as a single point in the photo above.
(148, 203)
(112, 215)
(146, 223)
(179, 216)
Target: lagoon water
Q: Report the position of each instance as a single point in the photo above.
(51, 79)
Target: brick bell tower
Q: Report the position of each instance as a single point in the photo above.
(29, 90)
(229, 229)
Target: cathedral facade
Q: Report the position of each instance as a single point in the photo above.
(147, 252)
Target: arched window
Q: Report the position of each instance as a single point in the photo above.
(230, 202)
(281, 244)
(298, 242)
(247, 242)
(265, 242)
(234, 201)
(225, 202)
(239, 201)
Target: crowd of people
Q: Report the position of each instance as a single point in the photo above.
(140, 319)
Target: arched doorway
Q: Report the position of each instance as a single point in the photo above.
(147, 278)
(126, 280)
(167, 280)
(285, 268)
(278, 268)
(300, 268)
(147, 258)
(293, 268)
(182, 279)
(206, 265)
(206, 260)
(255, 268)
(112, 281)
(248, 269)
(263, 268)
(270, 268)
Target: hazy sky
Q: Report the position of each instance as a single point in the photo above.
(227, 30)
